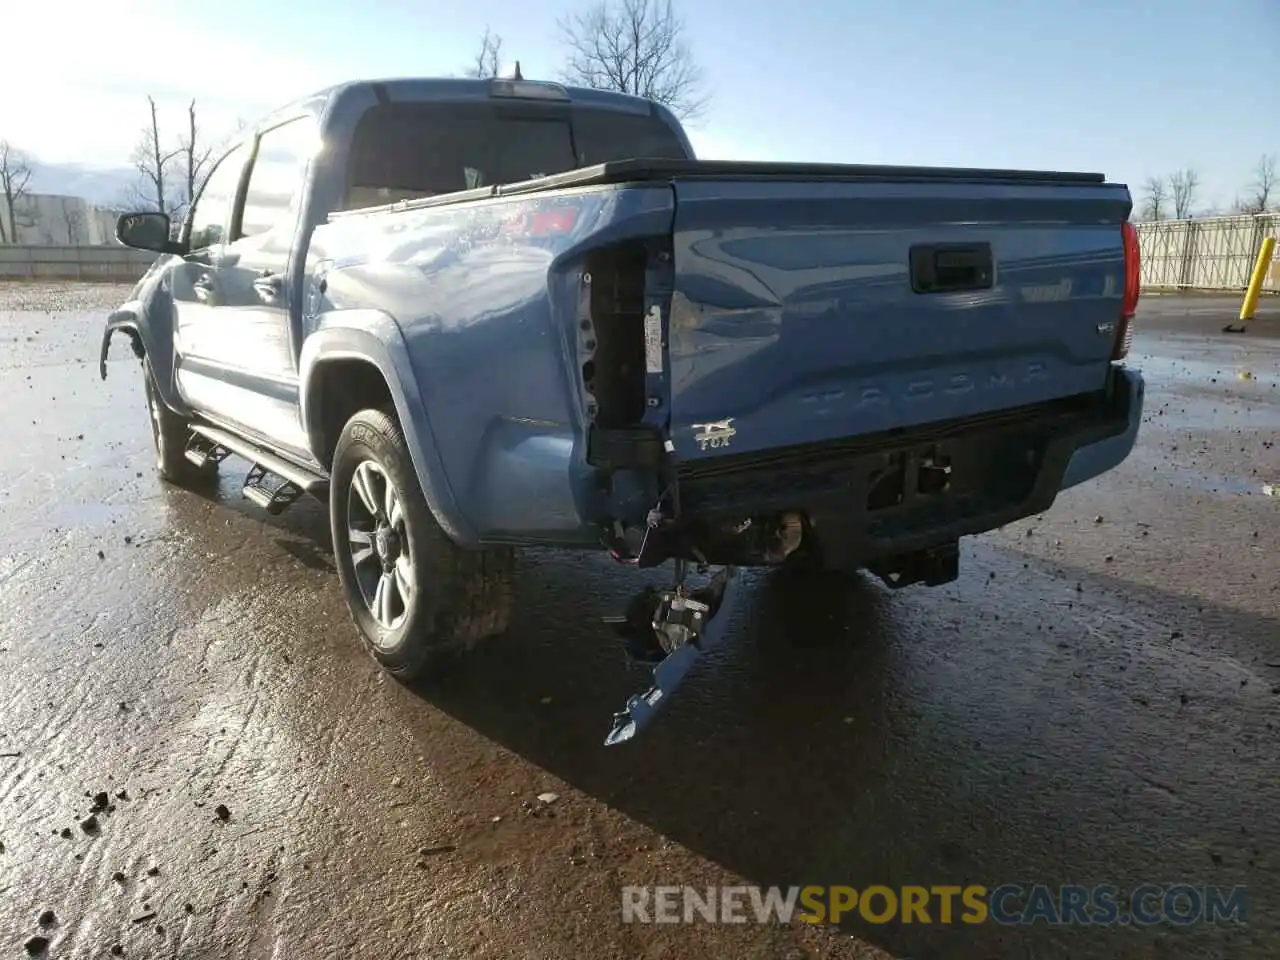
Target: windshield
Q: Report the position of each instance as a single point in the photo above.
(403, 151)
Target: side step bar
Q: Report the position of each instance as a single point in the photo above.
(213, 444)
(202, 452)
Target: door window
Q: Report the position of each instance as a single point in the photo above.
(212, 213)
(275, 180)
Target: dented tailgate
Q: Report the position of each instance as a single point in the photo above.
(806, 311)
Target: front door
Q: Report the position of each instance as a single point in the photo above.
(235, 359)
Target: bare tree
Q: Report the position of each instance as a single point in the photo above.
(1263, 186)
(15, 174)
(488, 57)
(1183, 184)
(1155, 199)
(169, 175)
(27, 218)
(195, 157)
(152, 161)
(72, 219)
(636, 47)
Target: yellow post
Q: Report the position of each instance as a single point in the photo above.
(1250, 305)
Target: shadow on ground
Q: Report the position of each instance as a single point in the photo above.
(1010, 728)
(849, 737)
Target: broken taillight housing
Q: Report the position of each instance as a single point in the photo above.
(1132, 289)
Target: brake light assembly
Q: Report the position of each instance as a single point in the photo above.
(521, 89)
(1132, 290)
(552, 221)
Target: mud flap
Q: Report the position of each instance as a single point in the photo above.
(641, 709)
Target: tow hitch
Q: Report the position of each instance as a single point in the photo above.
(669, 628)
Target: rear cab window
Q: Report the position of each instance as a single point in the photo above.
(411, 150)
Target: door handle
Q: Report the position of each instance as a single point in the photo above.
(951, 267)
(203, 287)
(269, 286)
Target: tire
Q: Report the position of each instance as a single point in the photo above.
(440, 600)
(169, 433)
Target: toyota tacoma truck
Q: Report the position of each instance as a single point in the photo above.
(472, 315)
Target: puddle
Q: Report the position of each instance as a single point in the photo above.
(1186, 392)
(1161, 370)
(1174, 411)
(90, 514)
(1208, 481)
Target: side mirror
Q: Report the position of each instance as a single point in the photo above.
(146, 231)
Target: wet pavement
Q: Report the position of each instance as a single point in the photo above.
(1095, 701)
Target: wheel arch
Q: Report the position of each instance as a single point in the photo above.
(347, 368)
(147, 320)
(123, 321)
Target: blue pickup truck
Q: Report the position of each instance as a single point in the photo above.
(473, 315)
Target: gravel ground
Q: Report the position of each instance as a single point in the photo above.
(1094, 701)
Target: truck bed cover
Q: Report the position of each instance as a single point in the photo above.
(648, 170)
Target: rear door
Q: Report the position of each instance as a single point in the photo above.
(809, 311)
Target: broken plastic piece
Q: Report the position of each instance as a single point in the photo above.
(675, 629)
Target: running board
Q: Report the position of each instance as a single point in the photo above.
(202, 452)
(273, 498)
(297, 479)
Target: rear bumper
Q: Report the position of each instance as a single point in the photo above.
(867, 498)
(1092, 459)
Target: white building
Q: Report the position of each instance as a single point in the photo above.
(49, 219)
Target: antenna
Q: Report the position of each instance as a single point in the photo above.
(517, 75)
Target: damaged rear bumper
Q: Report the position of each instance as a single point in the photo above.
(897, 505)
(1093, 459)
(867, 498)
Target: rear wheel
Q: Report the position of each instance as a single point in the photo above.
(414, 594)
(170, 433)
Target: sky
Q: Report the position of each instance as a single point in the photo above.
(1126, 88)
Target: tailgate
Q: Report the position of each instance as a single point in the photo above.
(812, 310)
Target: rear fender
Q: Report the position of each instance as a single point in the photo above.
(373, 337)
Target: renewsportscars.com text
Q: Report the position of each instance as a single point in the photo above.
(1181, 904)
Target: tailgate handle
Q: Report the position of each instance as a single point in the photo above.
(951, 267)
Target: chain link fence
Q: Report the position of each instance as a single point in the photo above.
(1216, 253)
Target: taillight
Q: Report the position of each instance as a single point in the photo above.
(551, 222)
(555, 221)
(1132, 288)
